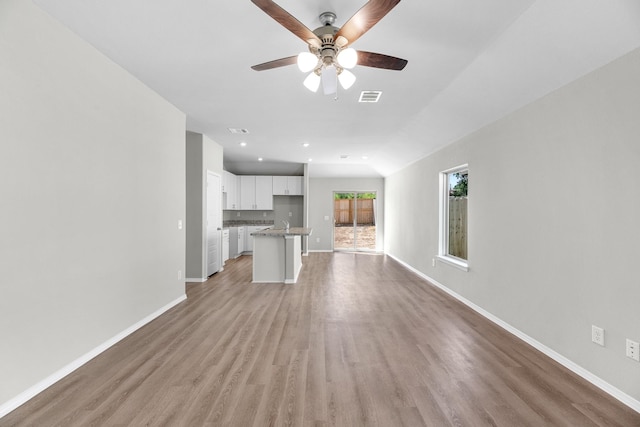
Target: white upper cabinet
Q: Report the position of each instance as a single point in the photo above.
(264, 193)
(230, 191)
(247, 192)
(256, 193)
(287, 186)
(296, 185)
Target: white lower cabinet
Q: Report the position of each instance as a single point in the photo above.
(237, 240)
(225, 245)
(241, 233)
(248, 240)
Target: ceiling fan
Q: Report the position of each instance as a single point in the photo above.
(329, 56)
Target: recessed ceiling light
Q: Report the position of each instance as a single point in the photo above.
(243, 144)
(259, 159)
(365, 157)
(310, 160)
(238, 130)
(305, 145)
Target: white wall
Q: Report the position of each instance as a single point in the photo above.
(195, 214)
(283, 205)
(92, 185)
(554, 207)
(320, 202)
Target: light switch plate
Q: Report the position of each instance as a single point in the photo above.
(633, 350)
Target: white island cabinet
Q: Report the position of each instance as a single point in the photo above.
(277, 255)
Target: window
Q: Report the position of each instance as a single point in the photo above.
(454, 196)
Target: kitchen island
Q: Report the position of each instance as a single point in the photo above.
(277, 254)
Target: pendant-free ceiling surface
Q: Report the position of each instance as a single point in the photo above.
(469, 64)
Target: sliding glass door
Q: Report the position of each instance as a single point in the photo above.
(354, 220)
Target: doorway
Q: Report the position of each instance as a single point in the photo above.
(354, 221)
(213, 224)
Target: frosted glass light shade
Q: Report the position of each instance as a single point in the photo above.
(346, 79)
(307, 61)
(312, 82)
(348, 58)
(329, 80)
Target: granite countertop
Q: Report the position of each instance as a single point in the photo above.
(281, 232)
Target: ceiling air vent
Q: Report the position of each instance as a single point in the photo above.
(370, 96)
(237, 130)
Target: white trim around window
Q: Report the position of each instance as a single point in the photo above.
(443, 224)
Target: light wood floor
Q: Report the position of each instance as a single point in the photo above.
(358, 341)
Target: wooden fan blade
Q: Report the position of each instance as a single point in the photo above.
(365, 18)
(286, 20)
(378, 60)
(276, 63)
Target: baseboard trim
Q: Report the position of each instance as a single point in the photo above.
(319, 250)
(198, 280)
(567, 363)
(32, 391)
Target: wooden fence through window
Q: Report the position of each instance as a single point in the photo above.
(458, 227)
(344, 211)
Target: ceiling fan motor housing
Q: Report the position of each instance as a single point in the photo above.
(328, 50)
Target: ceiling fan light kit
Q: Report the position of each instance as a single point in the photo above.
(348, 58)
(307, 61)
(329, 80)
(346, 79)
(312, 82)
(329, 54)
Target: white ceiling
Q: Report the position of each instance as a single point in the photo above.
(470, 63)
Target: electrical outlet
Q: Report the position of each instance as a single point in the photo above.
(597, 335)
(179, 274)
(290, 213)
(317, 240)
(633, 350)
(433, 262)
